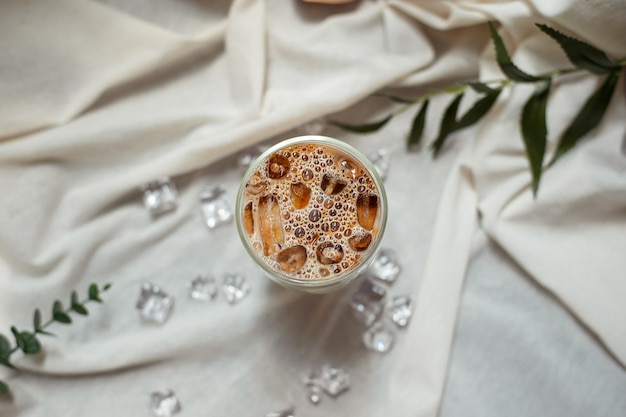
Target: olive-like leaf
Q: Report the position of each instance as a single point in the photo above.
(448, 124)
(74, 298)
(417, 127)
(581, 54)
(504, 60)
(5, 346)
(588, 117)
(94, 293)
(365, 128)
(106, 287)
(482, 87)
(478, 110)
(57, 306)
(31, 344)
(4, 388)
(395, 98)
(80, 309)
(535, 131)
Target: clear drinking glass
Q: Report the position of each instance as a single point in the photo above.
(340, 202)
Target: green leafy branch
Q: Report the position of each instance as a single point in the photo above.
(29, 343)
(533, 125)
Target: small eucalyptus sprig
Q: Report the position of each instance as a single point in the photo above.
(582, 55)
(28, 342)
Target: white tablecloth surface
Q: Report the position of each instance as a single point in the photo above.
(520, 302)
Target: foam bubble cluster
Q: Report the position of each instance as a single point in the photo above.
(311, 211)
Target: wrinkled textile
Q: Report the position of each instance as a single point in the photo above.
(98, 98)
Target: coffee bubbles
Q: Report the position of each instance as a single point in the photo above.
(311, 211)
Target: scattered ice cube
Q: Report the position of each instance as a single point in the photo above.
(378, 338)
(385, 266)
(154, 304)
(368, 302)
(313, 127)
(159, 196)
(164, 403)
(380, 160)
(235, 288)
(203, 288)
(215, 206)
(400, 309)
(333, 380)
(314, 393)
(288, 412)
(247, 156)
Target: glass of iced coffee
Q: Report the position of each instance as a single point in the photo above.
(311, 211)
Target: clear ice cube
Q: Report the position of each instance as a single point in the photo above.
(215, 206)
(159, 196)
(400, 310)
(154, 304)
(164, 403)
(235, 288)
(314, 393)
(385, 266)
(378, 338)
(333, 380)
(380, 160)
(368, 302)
(288, 412)
(203, 288)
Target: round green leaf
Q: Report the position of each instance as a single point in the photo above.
(5, 346)
(80, 309)
(61, 317)
(31, 344)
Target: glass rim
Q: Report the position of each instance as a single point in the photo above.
(323, 283)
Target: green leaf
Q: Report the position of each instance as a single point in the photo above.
(94, 293)
(535, 131)
(19, 339)
(62, 317)
(588, 117)
(504, 60)
(478, 110)
(74, 298)
(417, 128)
(4, 388)
(365, 128)
(31, 344)
(6, 362)
(448, 125)
(581, 54)
(106, 286)
(482, 88)
(37, 320)
(397, 99)
(5, 346)
(57, 306)
(80, 309)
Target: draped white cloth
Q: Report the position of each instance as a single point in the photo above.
(98, 98)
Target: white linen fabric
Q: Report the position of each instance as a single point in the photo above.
(97, 98)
